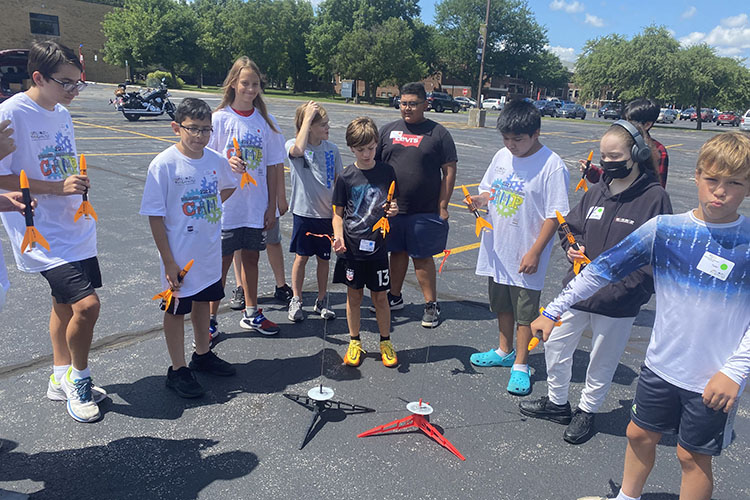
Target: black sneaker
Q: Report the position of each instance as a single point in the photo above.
(581, 427)
(238, 299)
(431, 316)
(547, 410)
(395, 301)
(183, 382)
(211, 363)
(283, 293)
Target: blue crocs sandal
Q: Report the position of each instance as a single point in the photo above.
(519, 383)
(492, 358)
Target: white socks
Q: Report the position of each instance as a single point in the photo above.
(521, 368)
(79, 374)
(623, 496)
(501, 353)
(59, 372)
(250, 311)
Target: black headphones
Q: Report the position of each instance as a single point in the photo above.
(640, 151)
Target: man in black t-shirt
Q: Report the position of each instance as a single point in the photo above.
(423, 155)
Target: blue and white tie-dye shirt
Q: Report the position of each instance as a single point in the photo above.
(702, 281)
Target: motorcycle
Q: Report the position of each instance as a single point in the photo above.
(149, 102)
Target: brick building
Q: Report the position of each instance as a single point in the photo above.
(70, 22)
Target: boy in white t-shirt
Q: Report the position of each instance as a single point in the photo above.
(524, 185)
(185, 189)
(46, 151)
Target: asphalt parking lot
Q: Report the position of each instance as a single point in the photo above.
(241, 440)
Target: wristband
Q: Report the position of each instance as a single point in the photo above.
(548, 315)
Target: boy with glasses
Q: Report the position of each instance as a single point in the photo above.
(46, 151)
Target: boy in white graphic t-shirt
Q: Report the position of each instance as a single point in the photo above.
(46, 152)
(185, 189)
(523, 187)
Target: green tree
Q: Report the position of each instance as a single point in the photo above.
(599, 67)
(379, 55)
(704, 74)
(546, 70)
(152, 33)
(513, 37)
(337, 19)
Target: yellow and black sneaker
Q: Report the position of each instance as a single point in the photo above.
(354, 353)
(388, 353)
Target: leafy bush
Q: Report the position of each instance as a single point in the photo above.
(154, 78)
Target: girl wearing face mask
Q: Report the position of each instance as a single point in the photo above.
(628, 195)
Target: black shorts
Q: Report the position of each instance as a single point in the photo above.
(662, 407)
(307, 246)
(242, 238)
(360, 273)
(184, 305)
(73, 281)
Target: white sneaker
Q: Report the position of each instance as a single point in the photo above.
(56, 391)
(324, 312)
(295, 310)
(81, 405)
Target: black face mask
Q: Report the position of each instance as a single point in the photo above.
(616, 169)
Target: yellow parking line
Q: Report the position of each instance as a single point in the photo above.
(587, 140)
(673, 146)
(123, 131)
(467, 185)
(460, 249)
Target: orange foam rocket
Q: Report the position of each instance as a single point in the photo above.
(383, 223)
(85, 209)
(535, 340)
(166, 295)
(246, 178)
(32, 235)
(481, 223)
(578, 263)
(582, 182)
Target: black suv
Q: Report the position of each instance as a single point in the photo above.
(440, 101)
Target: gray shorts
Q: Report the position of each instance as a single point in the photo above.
(523, 303)
(273, 236)
(242, 238)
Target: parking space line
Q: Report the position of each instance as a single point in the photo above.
(587, 140)
(673, 146)
(464, 248)
(119, 154)
(468, 145)
(123, 131)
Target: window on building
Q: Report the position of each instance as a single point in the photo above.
(42, 24)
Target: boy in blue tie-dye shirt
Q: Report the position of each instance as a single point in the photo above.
(697, 362)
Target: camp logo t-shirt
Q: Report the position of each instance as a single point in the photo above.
(46, 151)
(186, 192)
(507, 195)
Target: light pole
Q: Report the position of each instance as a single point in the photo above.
(483, 41)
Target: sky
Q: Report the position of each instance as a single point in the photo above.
(722, 24)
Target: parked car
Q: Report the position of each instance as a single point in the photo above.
(612, 113)
(667, 116)
(604, 109)
(492, 104)
(728, 118)
(707, 115)
(572, 111)
(685, 113)
(547, 108)
(745, 123)
(440, 101)
(13, 74)
(466, 102)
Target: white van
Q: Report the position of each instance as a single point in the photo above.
(745, 123)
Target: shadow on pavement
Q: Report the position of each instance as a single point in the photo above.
(260, 376)
(136, 467)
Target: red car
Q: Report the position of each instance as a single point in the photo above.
(729, 118)
(707, 115)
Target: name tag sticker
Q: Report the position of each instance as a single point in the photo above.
(716, 266)
(309, 156)
(395, 134)
(366, 245)
(595, 213)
